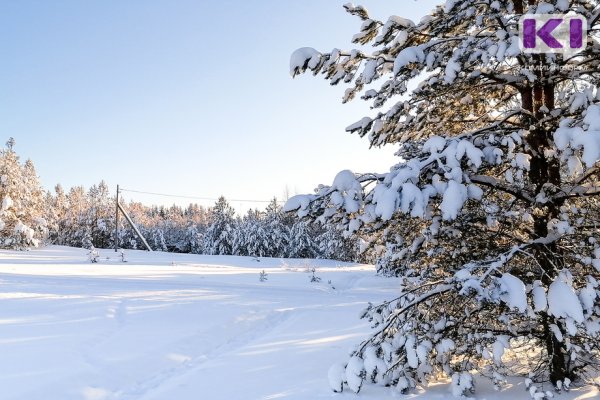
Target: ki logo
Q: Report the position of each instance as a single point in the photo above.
(553, 33)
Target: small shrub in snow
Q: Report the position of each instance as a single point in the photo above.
(313, 277)
(262, 276)
(93, 255)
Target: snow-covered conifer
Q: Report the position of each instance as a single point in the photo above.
(77, 225)
(491, 212)
(332, 244)
(302, 243)
(219, 235)
(21, 202)
(157, 240)
(100, 215)
(276, 226)
(251, 237)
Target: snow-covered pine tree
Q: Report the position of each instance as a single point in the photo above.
(34, 201)
(493, 209)
(50, 213)
(21, 202)
(238, 243)
(57, 207)
(218, 239)
(332, 244)
(276, 226)
(157, 239)
(78, 230)
(250, 237)
(239, 246)
(302, 243)
(257, 237)
(193, 239)
(173, 225)
(101, 215)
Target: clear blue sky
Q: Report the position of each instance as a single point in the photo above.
(181, 96)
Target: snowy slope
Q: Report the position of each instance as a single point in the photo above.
(172, 326)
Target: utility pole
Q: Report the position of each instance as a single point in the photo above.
(118, 209)
(117, 222)
(135, 228)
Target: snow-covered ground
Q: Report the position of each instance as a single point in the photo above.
(179, 327)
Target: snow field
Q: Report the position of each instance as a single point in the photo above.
(175, 326)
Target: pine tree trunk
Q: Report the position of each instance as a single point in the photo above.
(542, 172)
(543, 175)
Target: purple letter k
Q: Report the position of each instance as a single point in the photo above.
(545, 33)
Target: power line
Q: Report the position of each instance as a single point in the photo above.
(192, 197)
